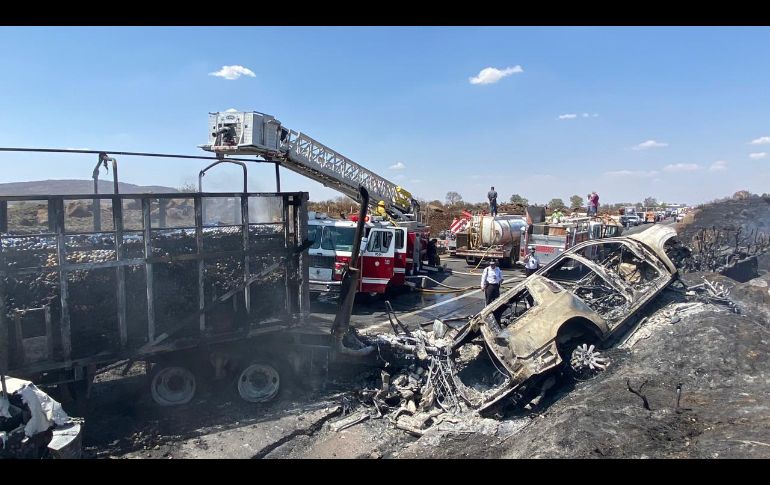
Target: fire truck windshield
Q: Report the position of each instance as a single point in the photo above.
(314, 234)
(338, 238)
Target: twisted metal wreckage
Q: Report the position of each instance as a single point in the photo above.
(558, 318)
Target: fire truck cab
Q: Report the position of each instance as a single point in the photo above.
(388, 253)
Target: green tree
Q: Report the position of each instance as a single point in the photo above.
(517, 199)
(650, 202)
(556, 204)
(576, 202)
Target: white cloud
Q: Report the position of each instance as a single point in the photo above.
(718, 166)
(231, 110)
(649, 144)
(491, 75)
(415, 181)
(572, 116)
(681, 167)
(762, 140)
(758, 155)
(85, 149)
(397, 166)
(400, 176)
(233, 72)
(632, 173)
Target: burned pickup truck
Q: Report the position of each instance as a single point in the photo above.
(557, 317)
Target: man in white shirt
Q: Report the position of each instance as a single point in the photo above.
(531, 263)
(491, 279)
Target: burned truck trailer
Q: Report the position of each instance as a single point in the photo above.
(197, 285)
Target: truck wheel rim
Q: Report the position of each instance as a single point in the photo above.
(259, 383)
(173, 386)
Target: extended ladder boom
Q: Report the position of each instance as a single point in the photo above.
(253, 133)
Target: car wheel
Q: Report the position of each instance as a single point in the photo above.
(584, 360)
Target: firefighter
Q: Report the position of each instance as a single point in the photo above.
(381, 209)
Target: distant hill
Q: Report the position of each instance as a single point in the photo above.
(69, 187)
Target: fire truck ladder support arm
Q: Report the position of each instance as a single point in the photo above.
(252, 133)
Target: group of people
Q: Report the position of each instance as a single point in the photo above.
(593, 202)
(492, 277)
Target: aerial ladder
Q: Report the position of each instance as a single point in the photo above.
(254, 133)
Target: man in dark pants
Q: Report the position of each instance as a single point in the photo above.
(432, 252)
(492, 196)
(491, 279)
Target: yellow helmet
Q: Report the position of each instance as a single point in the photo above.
(382, 203)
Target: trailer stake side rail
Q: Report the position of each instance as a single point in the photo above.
(91, 279)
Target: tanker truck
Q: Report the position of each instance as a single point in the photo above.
(492, 237)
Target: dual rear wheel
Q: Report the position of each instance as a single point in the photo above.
(173, 384)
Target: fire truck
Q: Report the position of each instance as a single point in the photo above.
(395, 239)
(388, 253)
(553, 238)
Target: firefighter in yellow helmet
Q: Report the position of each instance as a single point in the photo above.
(381, 209)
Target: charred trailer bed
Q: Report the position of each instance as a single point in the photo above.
(193, 281)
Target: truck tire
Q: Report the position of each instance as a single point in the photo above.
(470, 260)
(259, 382)
(171, 384)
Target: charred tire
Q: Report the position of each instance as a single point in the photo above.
(172, 385)
(581, 359)
(470, 260)
(259, 382)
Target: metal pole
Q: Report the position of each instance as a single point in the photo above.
(198, 204)
(246, 258)
(3, 216)
(277, 177)
(4, 344)
(120, 271)
(148, 270)
(97, 203)
(66, 335)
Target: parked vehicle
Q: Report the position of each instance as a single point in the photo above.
(491, 237)
(388, 255)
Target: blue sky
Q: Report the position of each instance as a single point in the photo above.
(668, 112)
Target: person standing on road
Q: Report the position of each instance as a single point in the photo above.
(531, 263)
(492, 196)
(491, 279)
